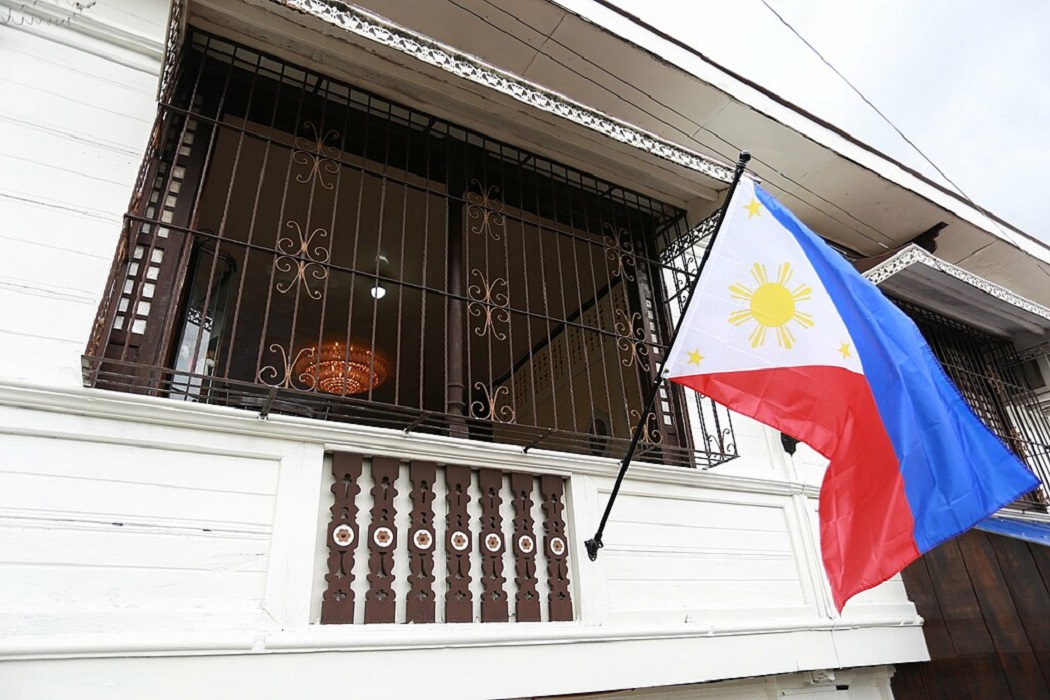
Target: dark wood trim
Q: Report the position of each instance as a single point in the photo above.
(492, 545)
(337, 606)
(526, 600)
(380, 602)
(985, 600)
(420, 607)
(459, 605)
(556, 544)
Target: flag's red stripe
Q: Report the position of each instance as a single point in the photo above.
(866, 524)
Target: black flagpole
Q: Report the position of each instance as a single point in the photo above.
(594, 544)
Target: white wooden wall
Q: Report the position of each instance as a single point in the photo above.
(144, 527)
(77, 103)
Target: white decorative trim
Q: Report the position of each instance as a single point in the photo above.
(343, 536)
(45, 17)
(459, 540)
(383, 537)
(360, 638)
(345, 437)
(374, 28)
(914, 255)
(172, 48)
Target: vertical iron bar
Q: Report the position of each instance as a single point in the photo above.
(267, 147)
(455, 393)
(594, 544)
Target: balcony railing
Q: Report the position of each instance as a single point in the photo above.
(477, 545)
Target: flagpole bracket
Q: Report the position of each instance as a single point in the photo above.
(592, 547)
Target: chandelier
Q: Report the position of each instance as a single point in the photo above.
(341, 369)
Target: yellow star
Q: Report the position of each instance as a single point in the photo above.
(844, 349)
(754, 208)
(695, 357)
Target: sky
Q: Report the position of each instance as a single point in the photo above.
(967, 81)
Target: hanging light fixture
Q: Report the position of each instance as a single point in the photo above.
(341, 369)
(378, 291)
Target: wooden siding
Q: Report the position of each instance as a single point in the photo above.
(986, 601)
(92, 530)
(73, 126)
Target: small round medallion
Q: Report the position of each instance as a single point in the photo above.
(526, 544)
(557, 546)
(343, 536)
(423, 539)
(460, 541)
(493, 542)
(383, 537)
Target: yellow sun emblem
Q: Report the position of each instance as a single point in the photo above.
(771, 305)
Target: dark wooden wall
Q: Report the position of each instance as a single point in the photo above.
(986, 602)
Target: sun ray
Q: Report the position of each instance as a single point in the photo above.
(758, 336)
(785, 338)
(758, 271)
(803, 319)
(738, 317)
(739, 291)
(803, 292)
(784, 273)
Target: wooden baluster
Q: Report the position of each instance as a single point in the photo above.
(492, 546)
(552, 489)
(527, 600)
(337, 606)
(380, 604)
(458, 541)
(420, 604)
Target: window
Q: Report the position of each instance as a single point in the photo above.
(304, 247)
(990, 375)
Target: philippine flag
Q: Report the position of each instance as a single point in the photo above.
(782, 329)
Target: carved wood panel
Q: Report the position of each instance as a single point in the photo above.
(492, 546)
(420, 604)
(337, 606)
(526, 600)
(552, 490)
(458, 544)
(459, 532)
(380, 604)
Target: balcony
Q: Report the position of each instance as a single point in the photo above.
(299, 246)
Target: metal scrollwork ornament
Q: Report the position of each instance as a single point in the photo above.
(618, 249)
(489, 304)
(299, 259)
(488, 407)
(631, 339)
(317, 155)
(485, 211)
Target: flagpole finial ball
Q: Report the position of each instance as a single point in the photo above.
(745, 156)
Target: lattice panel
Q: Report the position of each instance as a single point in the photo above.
(151, 243)
(425, 543)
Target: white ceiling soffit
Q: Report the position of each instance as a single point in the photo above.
(370, 51)
(917, 276)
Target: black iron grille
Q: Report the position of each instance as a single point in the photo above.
(302, 246)
(990, 375)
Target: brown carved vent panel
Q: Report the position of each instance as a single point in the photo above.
(420, 542)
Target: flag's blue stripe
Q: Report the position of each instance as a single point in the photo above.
(955, 471)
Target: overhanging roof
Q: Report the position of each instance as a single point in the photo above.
(581, 55)
(915, 275)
